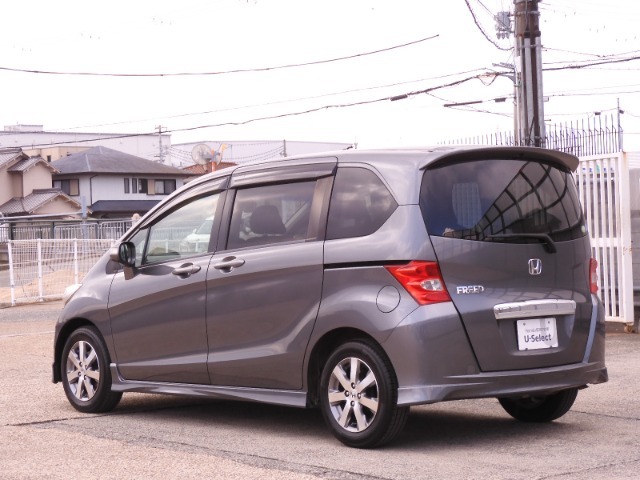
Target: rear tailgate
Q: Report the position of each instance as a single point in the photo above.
(497, 292)
(510, 240)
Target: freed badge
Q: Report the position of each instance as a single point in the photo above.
(468, 289)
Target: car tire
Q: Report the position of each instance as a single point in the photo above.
(359, 395)
(85, 373)
(539, 409)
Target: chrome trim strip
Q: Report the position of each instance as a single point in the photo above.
(534, 308)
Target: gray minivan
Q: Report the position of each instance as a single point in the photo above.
(359, 282)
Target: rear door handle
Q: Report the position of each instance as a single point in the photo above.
(227, 264)
(186, 270)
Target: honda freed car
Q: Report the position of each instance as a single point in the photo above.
(359, 282)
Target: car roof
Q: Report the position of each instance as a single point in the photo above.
(394, 163)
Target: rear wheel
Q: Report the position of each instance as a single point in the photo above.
(358, 396)
(85, 372)
(543, 408)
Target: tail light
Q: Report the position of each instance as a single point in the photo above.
(593, 276)
(422, 280)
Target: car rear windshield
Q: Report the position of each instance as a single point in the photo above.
(484, 200)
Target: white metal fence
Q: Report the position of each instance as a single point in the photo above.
(42, 269)
(603, 185)
(102, 229)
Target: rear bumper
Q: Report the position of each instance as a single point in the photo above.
(433, 361)
(504, 384)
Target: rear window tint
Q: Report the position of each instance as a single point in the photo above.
(360, 204)
(475, 200)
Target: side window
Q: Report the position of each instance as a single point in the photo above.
(360, 204)
(271, 214)
(185, 231)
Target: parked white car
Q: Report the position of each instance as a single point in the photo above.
(198, 240)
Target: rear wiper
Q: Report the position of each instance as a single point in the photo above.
(549, 244)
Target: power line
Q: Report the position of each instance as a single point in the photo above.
(478, 110)
(427, 91)
(592, 64)
(277, 116)
(591, 94)
(467, 105)
(277, 102)
(240, 70)
(327, 107)
(613, 69)
(475, 20)
(606, 55)
(584, 63)
(485, 7)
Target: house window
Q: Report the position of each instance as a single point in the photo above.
(165, 187)
(143, 186)
(126, 185)
(71, 187)
(134, 185)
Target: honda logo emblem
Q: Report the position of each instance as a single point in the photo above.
(535, 266)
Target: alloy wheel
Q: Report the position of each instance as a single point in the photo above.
(83, 370)
(353, 394)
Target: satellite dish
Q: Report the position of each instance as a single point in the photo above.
(202, 154)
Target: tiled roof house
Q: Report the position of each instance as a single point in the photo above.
(116, 184)
(25, 187)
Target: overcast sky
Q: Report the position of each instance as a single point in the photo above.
(117, 38)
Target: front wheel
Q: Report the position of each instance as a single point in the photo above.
(85, 372)
(539, 409)
(358, 396)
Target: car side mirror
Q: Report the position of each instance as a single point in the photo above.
(124, 253)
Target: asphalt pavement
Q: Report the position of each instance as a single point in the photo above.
(165, 437)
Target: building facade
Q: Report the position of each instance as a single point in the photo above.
(25, 187)
(52, 146)
(115, 184)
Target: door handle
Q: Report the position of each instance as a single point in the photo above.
(186, 270)
(228, 263)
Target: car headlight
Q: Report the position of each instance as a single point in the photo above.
(69, 292)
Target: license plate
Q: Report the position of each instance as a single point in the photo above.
(537, 333)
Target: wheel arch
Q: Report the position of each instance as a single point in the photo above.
(65, 332)
(323, 349)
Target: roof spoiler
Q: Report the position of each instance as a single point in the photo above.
(567, 160)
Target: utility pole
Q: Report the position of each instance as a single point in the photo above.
(530, 97)
(161, 154)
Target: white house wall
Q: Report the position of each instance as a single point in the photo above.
(107, 187)
(84, 187)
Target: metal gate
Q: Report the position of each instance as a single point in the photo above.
(603, 185)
